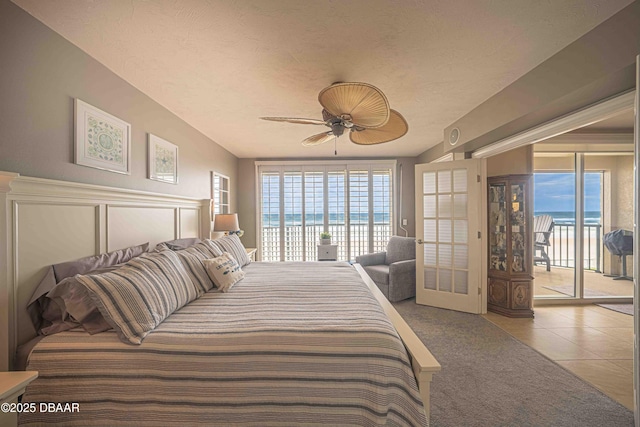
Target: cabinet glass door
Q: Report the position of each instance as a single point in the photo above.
(518, 229)
(498, 227)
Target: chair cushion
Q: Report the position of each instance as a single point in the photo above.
(400, 249)
(378, 273)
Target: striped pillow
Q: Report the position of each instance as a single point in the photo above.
(233, 245)
(192, 259)
(139, 296)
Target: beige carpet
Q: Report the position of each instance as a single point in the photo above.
(489, 378)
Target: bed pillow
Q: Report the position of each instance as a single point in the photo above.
(70, 306)
(137, 297)
(85, 265)
(192, 259)
(43, 312)
(234, 247)
(178, 244)
(77, 306)
(224, 271)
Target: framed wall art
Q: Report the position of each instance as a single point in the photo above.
(163, 160)
(102, 141)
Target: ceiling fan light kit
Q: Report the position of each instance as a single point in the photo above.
(360, 108)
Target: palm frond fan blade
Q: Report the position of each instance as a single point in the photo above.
(366, 104)
(294, 120)
(395, 128)
(318, 139)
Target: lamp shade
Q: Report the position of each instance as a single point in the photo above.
(226, 222)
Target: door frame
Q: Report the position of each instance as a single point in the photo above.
(636, 249)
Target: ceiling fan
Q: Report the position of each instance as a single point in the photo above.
(359, 108)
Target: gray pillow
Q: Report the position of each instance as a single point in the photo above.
(178, 244)
(43, 311)
(85, 265)
(76, 306)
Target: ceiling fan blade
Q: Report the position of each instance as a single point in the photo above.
(366, 105)
(295, 120)
(318, 139)
(394, 129)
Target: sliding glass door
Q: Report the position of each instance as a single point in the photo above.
(584, 194)
(554, 225)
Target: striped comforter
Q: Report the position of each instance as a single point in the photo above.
(291, 344)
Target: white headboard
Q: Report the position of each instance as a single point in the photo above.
(44, 222)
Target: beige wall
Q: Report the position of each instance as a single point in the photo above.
(513, 162)
(247, 209)
(623, 209)
(598, 65)
(41, 75)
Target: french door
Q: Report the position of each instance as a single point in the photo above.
(450, 254)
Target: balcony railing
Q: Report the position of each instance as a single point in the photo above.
(296, 243)
(562, 251)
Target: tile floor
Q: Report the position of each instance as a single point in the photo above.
(559, 283)
(593, 342)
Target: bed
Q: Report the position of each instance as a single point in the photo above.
(292, 344)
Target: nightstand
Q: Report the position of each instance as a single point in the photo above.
(327, 252)
(251, 252)
(12, 385)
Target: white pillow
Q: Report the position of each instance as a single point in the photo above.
(224, 271)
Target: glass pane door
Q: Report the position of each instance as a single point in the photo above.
(448, 195)
(554, 197)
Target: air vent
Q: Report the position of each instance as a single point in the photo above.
(454, 136)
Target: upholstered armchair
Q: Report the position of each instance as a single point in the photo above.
(393, 271)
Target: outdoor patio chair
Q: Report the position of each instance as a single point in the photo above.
(542, 229)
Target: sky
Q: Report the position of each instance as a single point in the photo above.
(555, 192)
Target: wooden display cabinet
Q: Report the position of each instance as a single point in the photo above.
(510, 286)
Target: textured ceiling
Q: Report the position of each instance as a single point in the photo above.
(221, 64)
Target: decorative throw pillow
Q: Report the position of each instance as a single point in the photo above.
(139, 296)
(192, 259)
(224, 271)
(233, 246)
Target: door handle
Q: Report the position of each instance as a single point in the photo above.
(419, 241)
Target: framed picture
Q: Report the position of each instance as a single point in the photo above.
(163, 160)
(102, 141)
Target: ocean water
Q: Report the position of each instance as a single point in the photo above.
(569, 217)
(311, 219)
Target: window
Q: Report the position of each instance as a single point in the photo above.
(220, 193)
(353, 202)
